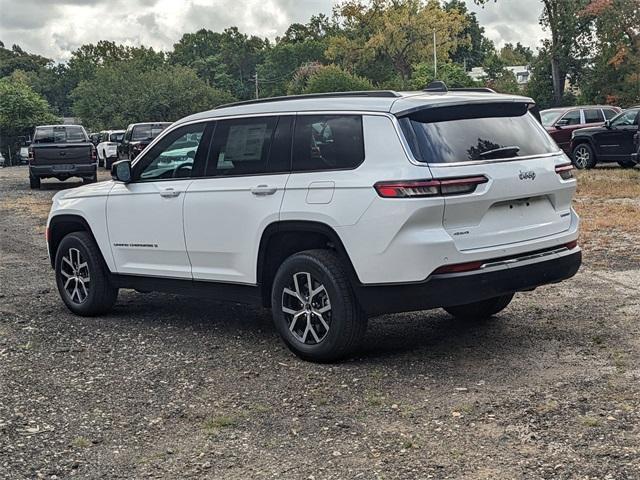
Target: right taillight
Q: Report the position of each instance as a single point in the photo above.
(429, 188)
(32, 155)
(565, 171)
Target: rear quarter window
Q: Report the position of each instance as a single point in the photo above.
(327, 142)
(448, 135)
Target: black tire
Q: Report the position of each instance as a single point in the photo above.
(100, 295)
(627, 163)
(480, 310)
(34, 182)
(346, 321)
(584, 157)
(107, 164)
(92, 179)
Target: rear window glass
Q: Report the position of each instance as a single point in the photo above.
(116, 137)
(446, 135)
(61, 134)
(327, 142)
(147, 132)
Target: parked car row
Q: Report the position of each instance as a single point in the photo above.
(64, 151)
(595, 133)
(113, 145)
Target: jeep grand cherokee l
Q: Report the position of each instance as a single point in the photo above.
(329, 209)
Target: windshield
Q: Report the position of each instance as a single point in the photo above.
(147, 132)
(60, 134)
(498, 134)
(549, 117)
(116, 137)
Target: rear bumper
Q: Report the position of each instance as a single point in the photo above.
(70, 170)
(462, 288)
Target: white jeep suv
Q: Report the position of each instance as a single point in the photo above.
(328, 209)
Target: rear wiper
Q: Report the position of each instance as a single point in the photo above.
(498, 152)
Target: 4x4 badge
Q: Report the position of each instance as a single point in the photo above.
(530, 175)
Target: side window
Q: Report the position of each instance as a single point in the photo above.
(571, 118)
(241, 147)
(609, 113)
(628, 118)
(173, 156)
(327, 142)
(593, 115)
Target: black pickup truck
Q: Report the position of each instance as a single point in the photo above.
(61, 151)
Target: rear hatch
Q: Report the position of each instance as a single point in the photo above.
(64, 144)
(523, 197)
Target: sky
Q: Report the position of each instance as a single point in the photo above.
(54, 28)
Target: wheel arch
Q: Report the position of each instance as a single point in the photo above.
(285, 238)
(61, 226)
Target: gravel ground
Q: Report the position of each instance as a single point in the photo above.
(169, 387)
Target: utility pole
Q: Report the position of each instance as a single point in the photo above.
(435, 57)
(256, 80)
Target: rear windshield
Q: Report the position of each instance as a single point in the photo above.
(147, 132)
(116, 137)
(60, 134)
(477, 132)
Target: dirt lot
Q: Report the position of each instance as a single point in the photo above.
(169, 387)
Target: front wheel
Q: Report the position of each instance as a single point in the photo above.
(481, 310)
(314, 307)
(92, 179)
(81, 276)
(583, 157)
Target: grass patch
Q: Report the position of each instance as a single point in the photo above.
(589, 421)
(214, 424)
(80, 442)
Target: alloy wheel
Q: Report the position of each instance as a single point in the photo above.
(581, 157)
(307, 309)
(74, 270)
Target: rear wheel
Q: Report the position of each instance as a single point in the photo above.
(481, 310)
(314, 307)
(81, 276)
(627, 163)
(34, 182)
(583, 156)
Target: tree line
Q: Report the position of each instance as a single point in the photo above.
(381, 44)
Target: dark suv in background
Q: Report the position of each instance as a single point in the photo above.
(562, 122)
(611, 142)
(137, 137)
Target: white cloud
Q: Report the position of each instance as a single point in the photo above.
(55, 28)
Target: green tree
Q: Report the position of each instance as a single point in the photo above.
(331, 78)
(471, 53)
(21, 109)
(17, 59)
(452, 74)
(398, 31)
(123, 93)
(516, 54)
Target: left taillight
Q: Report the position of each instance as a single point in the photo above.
(94, 154)
(565, 171)
(429, 188)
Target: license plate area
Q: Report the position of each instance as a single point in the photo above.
(63, 168)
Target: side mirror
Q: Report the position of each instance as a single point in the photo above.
(121, 171)
(607, 124)
(561, 123)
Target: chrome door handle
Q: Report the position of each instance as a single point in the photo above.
(263, 190)
(169, 193)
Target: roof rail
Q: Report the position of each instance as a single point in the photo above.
(474, 89)
(364, 93)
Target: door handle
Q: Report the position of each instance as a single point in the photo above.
(262, 190)
(169, 192)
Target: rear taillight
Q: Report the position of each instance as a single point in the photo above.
(138, 147)
(94, 154)
(565, 171)
(429, 188)
(571, 245)
(32, 155)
